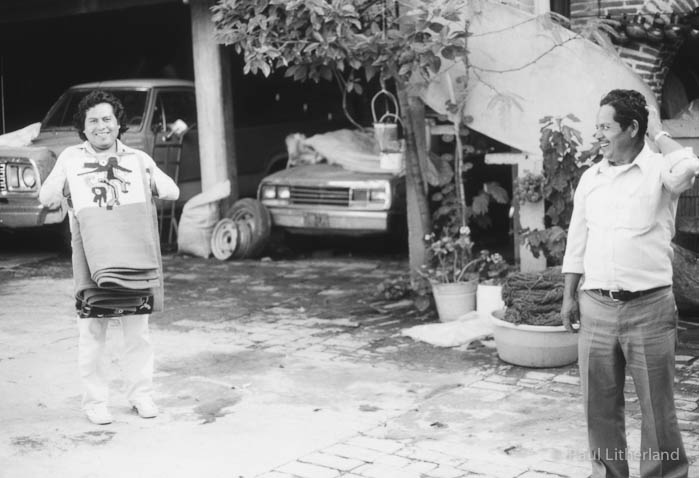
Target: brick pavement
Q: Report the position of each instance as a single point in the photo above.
(372, 334)
(495, 421)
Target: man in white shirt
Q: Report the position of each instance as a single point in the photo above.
(619, 240)
(100, 122)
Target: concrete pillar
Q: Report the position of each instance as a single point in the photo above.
(542, 6)
(530, 215)
(212, 81)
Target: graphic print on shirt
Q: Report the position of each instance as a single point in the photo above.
(106, 181)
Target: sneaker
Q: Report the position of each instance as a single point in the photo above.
(145, 408)
(99, 415)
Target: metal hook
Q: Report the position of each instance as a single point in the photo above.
(389, 113)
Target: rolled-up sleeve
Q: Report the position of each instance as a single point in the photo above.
(577, 236)
(680, 168)
(51, 192)
(165, 187)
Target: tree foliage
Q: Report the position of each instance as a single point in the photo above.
(564, 164)
(342, 39)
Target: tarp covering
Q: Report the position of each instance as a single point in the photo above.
(523, 68)
(21, 137)
(467, 328)
(351, 149)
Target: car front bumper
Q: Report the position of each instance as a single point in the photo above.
(330, 220)
(18, 213)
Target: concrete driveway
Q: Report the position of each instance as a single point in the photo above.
(289, 368)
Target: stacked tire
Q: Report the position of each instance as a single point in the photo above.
(243, 232)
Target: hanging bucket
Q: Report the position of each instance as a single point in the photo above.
(386, 127)
(455, 299)
(386, 135)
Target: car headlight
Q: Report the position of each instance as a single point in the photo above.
(283, 192)
(19, 175)
(29, 177)
(378, 195)
(360, 195)
(268, 191)
(13, 176)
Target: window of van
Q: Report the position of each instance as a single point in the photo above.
(61, 116)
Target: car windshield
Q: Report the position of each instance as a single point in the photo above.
(61, 116)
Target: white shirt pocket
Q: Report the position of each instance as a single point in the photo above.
(636, 212)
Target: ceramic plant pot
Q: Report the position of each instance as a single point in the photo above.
(454, 300)
(538, 346)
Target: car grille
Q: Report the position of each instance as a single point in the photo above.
(327, 196)
(3, 183)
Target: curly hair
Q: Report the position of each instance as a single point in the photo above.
(95, 98)
(628, 105)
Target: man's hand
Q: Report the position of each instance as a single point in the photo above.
(570, 314)
(654, 124)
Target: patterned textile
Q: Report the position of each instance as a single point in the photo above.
(116, 255)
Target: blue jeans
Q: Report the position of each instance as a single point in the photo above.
(640, 334)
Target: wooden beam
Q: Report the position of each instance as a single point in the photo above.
(214, 101)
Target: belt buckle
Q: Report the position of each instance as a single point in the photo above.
(611, 295)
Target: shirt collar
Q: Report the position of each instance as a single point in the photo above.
(120, 147)
(641, 161)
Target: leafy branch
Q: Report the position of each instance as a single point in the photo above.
(564, 164)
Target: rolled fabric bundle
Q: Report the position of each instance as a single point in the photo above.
(117, 265)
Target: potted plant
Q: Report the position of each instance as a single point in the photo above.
(451, 271)
(529, 331)
(449, 266)
(492, 271)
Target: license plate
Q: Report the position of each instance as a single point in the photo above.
(311, 219)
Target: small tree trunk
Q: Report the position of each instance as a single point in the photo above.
(418, 211)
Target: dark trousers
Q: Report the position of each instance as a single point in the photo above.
(640, 334)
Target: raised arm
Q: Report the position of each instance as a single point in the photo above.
(681, 164)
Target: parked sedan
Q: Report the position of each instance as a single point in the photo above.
(328, 199)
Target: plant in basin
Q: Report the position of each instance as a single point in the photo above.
(528, 332)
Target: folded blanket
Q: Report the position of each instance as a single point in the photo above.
(119, 245)
(117, 265)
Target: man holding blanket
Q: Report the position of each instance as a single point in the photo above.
(117, 267)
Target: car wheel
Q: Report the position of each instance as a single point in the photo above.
(245, 241)
(254, 227)
(224, 239)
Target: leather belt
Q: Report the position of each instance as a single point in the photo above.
(626, 295)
